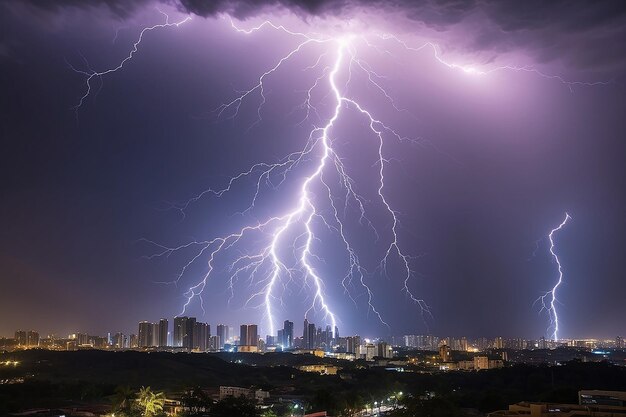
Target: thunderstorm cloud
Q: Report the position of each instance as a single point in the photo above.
(581, 35)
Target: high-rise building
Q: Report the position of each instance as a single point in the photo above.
(305, 335)
(179, 330)
(201, 334)
(32, 338)
(20, 338)
(214, 343)
(464, 344)
(312, 337)
(82, 339)
(28, 338)
(287, 339)
(189, 327)
(133, 341)
(542, 343)
(120, 341)
(184, 331)
(498, 343)
(222, 333)
(383, 350)
(163, 328)
(248, 335)
(280, 338)
(352, 344)
(327, 337)
(444, 353)
(155, 335)
(145, 334)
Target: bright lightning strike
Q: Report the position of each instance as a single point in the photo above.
(548, 301)
(264, 265)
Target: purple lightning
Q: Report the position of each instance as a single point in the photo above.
(548, 300)
(91, 74)
(265, 268)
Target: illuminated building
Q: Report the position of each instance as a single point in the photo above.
(120, 341)
(155, 335)
(163, 330)
(201, 334)
(498, 343)
(145, 334)
(444, 353)
(287, 340)
(464, 344)
(597, 397)
(237, 392)
(222, 333)
(368, 351)
(21, 338)
(248, 335)
(591, 403)
(619, 342)
(188, 328)
(28, 338)
(352, 344)
(481, 362)
(322, 369)
(383, 350)
(305, 335)
(215, 343)
(179, 330)
(133, 341)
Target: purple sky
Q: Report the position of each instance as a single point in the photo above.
(497, 159)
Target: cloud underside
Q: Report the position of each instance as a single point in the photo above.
(583, 35)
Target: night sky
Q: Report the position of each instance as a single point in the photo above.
(495, 161)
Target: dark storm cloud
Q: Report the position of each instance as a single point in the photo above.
(118, 8)
(584, 35)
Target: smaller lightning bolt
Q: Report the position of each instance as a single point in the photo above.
(473, 70)
(548, 300)
(91, 74)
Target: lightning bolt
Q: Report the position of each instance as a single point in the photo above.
(474, 70)
(264, 266)
(548, 300)
(91, 74)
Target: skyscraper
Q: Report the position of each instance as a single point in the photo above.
(155, 335)
(287, 339)
(21, 338)
(248, 335)
(120, 341)
(352, 344)
(305, 334)
(188, 329)
(312, 336)
(179, 330)
(201, 334)
(222, 333)
(163, 328)
(145, 334)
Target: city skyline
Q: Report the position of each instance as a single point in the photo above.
(281, 163)
(161, 333)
